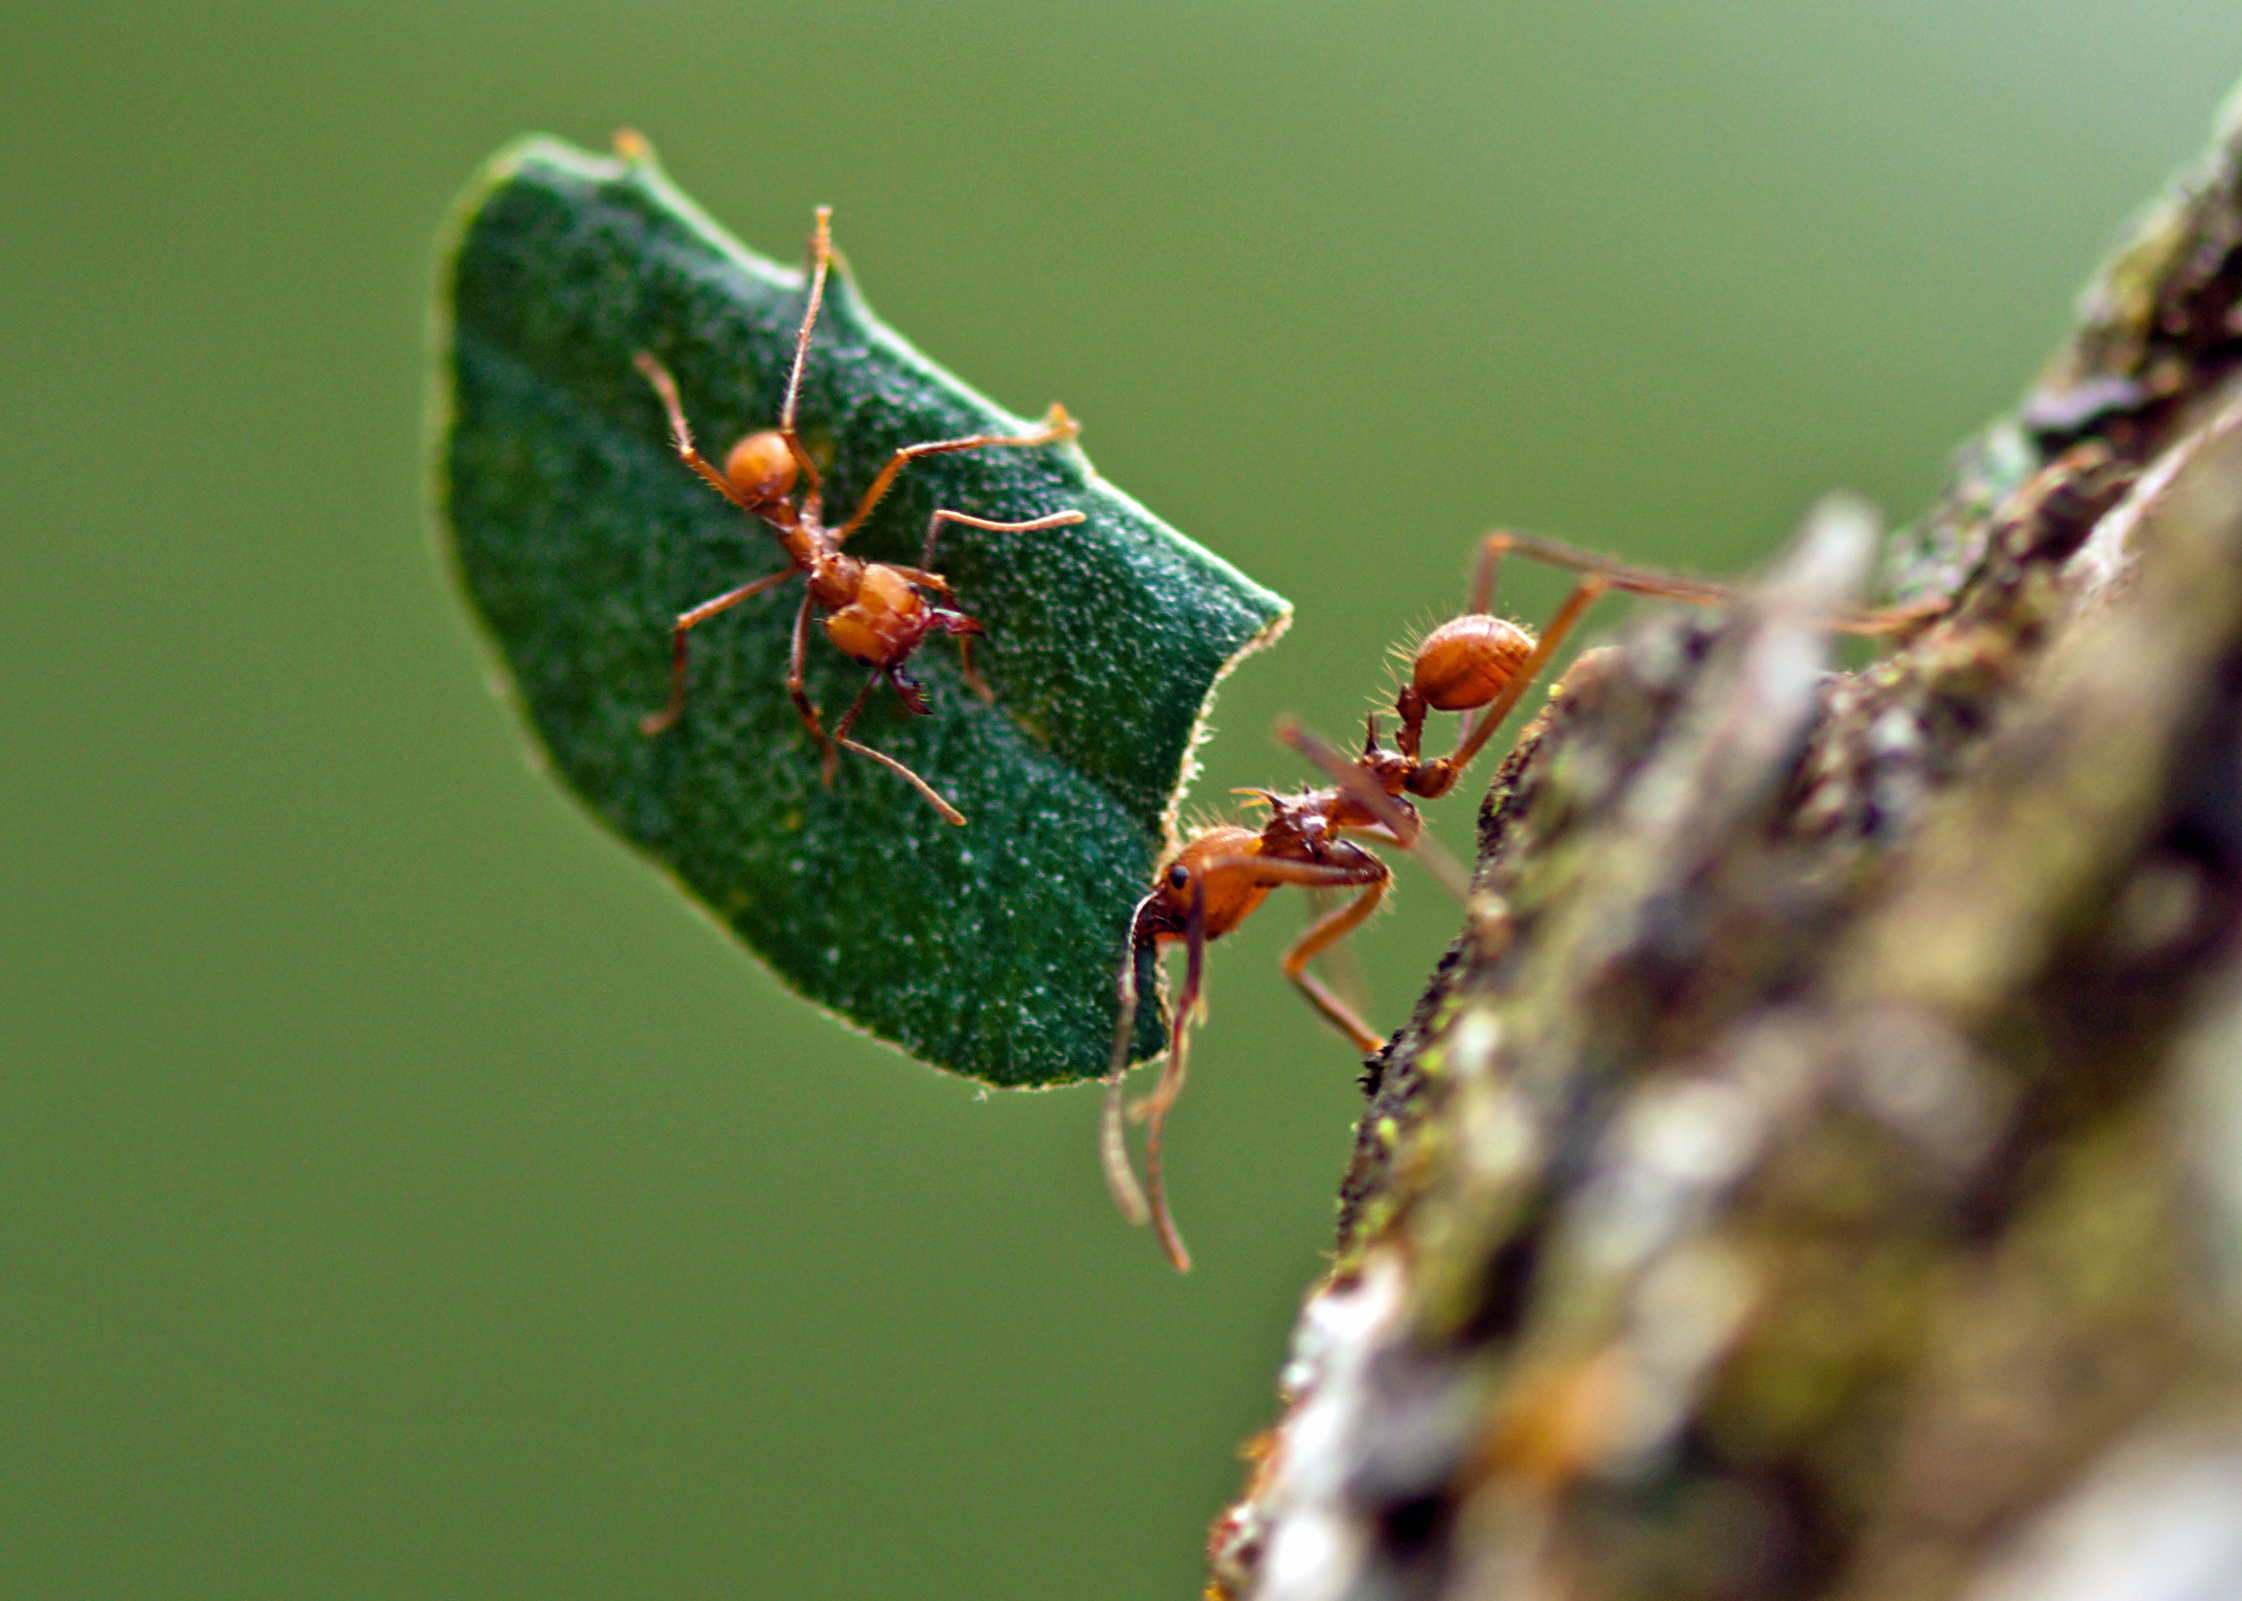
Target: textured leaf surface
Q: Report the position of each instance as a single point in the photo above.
(988, 950)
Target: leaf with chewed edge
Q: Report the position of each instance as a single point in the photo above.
(577, 537)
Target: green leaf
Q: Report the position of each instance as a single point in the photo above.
(577, 536)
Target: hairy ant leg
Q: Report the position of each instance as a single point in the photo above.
(877, 613)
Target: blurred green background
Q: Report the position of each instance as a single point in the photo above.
(401, 1193)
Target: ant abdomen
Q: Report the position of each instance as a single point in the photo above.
(1467, 661)
(761, 469)
(883, 623)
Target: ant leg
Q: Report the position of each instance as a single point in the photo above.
(1670, 586)
(1615, 574)
(654, 722)
(798, 695)
(972, 675)
(1488, 915)
(1369, 873)
(1323, 933)
(1401, 822)
(950, 814)
(924, 574)
(840, 738)
(848, 718)
(1057, 519)
(1057, 425)
(821, 252)
(1172, 1075)
(680, 434)
(1602, 576)
(1113, 1141)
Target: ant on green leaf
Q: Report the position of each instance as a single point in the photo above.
(1477, 664)
(879, 613)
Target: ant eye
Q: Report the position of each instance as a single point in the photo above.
(1178, 876)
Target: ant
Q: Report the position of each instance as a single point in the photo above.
(1477, 664)
(876, 612)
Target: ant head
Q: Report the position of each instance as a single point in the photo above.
(760, 468)
(1466, 662)
(1215, 864)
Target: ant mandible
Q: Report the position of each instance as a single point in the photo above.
(1477, 664)
(874, 611)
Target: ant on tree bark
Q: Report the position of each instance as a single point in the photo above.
(1477, 664)
(876, 612)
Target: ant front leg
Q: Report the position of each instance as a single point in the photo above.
(821, 254)
(680, 431)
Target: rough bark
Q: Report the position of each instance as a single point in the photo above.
(1817, 1169)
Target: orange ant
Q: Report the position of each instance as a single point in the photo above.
(874, 611)
(1477, 664)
